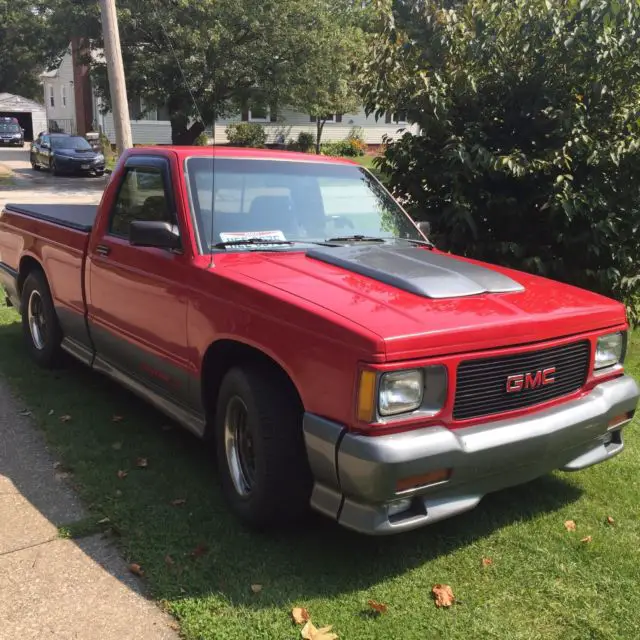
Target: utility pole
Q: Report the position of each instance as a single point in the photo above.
(115, 69)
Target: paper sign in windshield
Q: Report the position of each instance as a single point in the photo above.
(263, 236)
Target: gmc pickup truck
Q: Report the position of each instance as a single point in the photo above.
(286, 307)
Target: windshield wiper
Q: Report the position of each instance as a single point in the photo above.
(264, 241)
(357, 238)
(360, 238)
(250, 241)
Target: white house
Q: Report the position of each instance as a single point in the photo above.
(63, 92)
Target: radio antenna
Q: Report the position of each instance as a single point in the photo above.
(209, 240)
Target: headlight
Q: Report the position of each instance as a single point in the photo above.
(400, 392)
(17, 136)
(99, 158)
(609, 350)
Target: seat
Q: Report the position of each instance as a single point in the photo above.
(273, 213)
(154, 208)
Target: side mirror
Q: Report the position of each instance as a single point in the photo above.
(162, 235)
(425, 228)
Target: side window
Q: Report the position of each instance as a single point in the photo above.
(141, 197)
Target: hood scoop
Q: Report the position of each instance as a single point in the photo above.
(416, 270)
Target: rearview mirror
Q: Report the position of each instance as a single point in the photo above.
(425, 227)
(161, 235)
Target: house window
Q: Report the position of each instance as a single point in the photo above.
(63, 95)
(330, 118)
(147, 113)
(52, 99)
(399, 117)
(259, 114)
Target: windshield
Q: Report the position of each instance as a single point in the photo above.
(295, 201)
(9, 128)
(70, 142)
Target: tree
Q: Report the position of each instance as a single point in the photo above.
(327, 83)
(25, 40)
(529, 115)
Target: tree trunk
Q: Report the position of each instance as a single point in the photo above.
(182, 133)
(319, 128)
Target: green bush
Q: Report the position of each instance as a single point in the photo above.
(202, 140)
(351, 148)
(306, 141)
(529, 151)
(246, 134)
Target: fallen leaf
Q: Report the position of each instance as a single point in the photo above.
(122, 474)
(103, 521)
(570, 525)
(116, 446)
(169, 560)
(25, 413)
(443, 595)
(65, 418)
(118, 493)
(487, 562)
(117, 419)
(587, 539)
(199, 551)
(377, 606)
(610, 520)
(309, 632)
(57, 465)
(179, 502)
(300, 615)
(256, 588)
(136, 569)
(51, 412)
(142, 463)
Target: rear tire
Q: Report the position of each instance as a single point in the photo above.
(262, 461)
(34, 165)
(40, 325)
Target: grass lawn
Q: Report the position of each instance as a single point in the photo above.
(543, 583)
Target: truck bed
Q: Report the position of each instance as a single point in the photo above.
(79, 217)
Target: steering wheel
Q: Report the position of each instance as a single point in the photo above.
(341, 221)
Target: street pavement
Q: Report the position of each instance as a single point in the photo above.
(50, 588)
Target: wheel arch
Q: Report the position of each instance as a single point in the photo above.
(224, 354)
(27, 265)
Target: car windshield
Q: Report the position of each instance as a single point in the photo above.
(9, 128)
(70, 142)
(296, 201)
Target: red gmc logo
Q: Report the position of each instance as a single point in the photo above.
(521, 381)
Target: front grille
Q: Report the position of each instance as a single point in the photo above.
(482, 384)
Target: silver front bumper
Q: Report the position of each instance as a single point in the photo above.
(356, 476)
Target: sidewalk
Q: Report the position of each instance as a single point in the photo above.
(53, 589)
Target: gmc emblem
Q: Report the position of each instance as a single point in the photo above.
(521, 381)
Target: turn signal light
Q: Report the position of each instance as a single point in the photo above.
(433, 477)
(366, 396)
(620, 420)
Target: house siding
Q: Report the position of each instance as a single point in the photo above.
(63, 78)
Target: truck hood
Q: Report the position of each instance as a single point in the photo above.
(423, 302)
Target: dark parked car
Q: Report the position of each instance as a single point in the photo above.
(63, 153)
(10, 132)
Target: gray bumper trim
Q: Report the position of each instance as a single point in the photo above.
(356, 475)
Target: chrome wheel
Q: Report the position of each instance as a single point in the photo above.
(37, 322)
(239, 446)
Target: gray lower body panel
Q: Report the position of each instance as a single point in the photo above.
(356, 477)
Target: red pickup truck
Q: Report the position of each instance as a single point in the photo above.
(286, 307)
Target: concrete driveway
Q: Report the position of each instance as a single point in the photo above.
(42, 187)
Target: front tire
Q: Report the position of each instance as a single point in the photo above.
(34, 165)
(53, 167)
(262, 462)
(40, 325)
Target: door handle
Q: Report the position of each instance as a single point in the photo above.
(103, 250)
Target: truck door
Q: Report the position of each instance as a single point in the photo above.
(137, 306)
